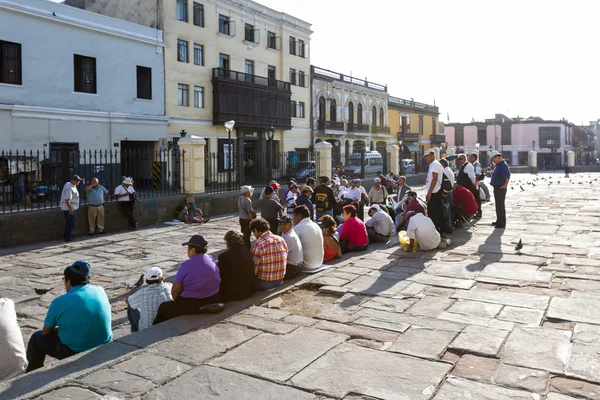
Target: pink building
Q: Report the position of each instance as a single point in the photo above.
(514, 138)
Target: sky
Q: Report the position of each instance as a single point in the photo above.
(475, 58)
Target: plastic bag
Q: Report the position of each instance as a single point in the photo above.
(405, 241)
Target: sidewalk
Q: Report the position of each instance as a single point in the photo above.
(474, 321)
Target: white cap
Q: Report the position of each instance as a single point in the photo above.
(428, 151)
(247, 189)
(495, 153)
(377, 180)
(128, 181)
(154, 273)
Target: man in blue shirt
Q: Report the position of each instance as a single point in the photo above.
(95, 199)
(500, 179)
(304, 199)
(77, 321)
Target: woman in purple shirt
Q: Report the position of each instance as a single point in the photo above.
(196, 284)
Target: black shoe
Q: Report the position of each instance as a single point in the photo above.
(91, 234)
(478, 215)
(100, 233)
(500, 226)
(494, 223)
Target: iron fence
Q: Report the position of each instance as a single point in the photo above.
(224, 174)
(34, 180)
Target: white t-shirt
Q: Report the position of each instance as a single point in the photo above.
(342, 191)
(294, 245)
(121, 190)
(470, 171)
(13, 358)
(311, 238)
(450, 175)
(422, 228)
(70, 193)
(382, 223)
(435, 166)
(352, 194)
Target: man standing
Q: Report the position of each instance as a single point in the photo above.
(311, 238)
(270, 209)
(433, 185)
(77, 321)
(324, 198)
(69, 203)
(466, 178)
(95, 197)
(378, 193)
(380, 226)
(270, 256)
(295, 256)
(448, 200)
(500, 179)
(305, 199)
(246, 213)
(402, 188)
(125, 195)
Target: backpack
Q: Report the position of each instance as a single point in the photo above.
(446, 185)
(321, 201)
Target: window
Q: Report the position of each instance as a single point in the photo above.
(272, 75)
(226, 26)
(301, 79)
(549, 137)
(292, 76)
(351, 113)
(382, 117)
(250, 34)
(321, 109)
(226, 155)
(374, 116)
(359, 112)
(198, 54)
(183, 93)
(459, 136)
(421, 124)
(482, 136)
(249, 70)
(292, 45)
(182, 51)
(301, 48)
(181, 12)
(433, 126)
(332, 110)
(144, 83)
(224, 61)
(198, 97)
(506, 136)
(271, 40)
(85, 74)
(199, 15)
(293, 109)
(10, 63)
(301, 109)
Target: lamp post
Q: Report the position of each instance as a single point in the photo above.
(270, 134)
(533, 145)
(401, 142)
(229, 126)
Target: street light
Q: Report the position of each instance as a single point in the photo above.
(402, 172)
(270, 134)
(533, 144)
(229, 126)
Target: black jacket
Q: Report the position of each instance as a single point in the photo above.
(236, 268)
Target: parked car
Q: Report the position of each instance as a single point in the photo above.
(409, 166)
(303, 170)
(373, 164)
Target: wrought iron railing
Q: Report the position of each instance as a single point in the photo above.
(221, 73)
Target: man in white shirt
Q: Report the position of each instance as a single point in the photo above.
(342, 189)
(466, 178)
(13, 358)
(142, 306)
(310, 236)
(380, 226)
(295, 256)
(424, 231)
(69, 203)
(353, 192)
(125, 195)
(434, 198)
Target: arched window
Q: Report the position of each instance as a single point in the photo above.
(374, 117)
(381, 117)
(322, 109)
(351, 113)
(332, 110)
(359, 114)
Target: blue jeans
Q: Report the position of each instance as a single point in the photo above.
(69, 225)
(267, 285)
(321, 213)
(133, 315)
(41, 345)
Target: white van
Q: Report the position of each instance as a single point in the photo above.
(409, 166)
(373, 164)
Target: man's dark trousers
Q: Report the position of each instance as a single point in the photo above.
(435, 210)
(69, 225)
(499, 199)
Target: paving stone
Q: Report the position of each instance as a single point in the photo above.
(575, 309)
(430, 306)
(387, 304)
(476, 368)
(480, 340)
(479, 308)
(438, 291)
(356, 270)
(333, 290)
(207, 382)
(521, 315)
(206, 343)
(376, 286)
(263, 324)
(515, 272)
(414, 289)
(433, 280)
(503, 297)
(574, 387)
(586, 334)
(118, 381)
(71, 393)
(383, 375)
(558, 396)
(382, 324)
(584, 362)
(522, 378)
(581, 285)
(457, 388)
(370, 344)
(477, 320)
(300, 320)
(354, 331)
(153, 368)
(423, 342)
(420, 321)
(266, 312)
(515, 258)
(450, 357)
(537, 348)
(465, 269)
(287, 355)
(329, 281)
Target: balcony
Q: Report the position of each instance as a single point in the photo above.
(438, 139)
(330, 126)
(381, 129)
(410, 137)
(358, 128)
(250, 100)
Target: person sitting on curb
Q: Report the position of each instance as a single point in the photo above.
(77, 321)
(185, 215)
(196, 214)
(331, 244)
(311, 237)
(270, 256)
(142, 306)
(126, 197)
(305, 199)
(13, 359)
(412, 203)
(196, 283)
(380, 226)
(295, 256)
(353, 235)
(236, 268)
(423, 230)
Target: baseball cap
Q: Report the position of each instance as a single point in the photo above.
(307, 188)
(247, 189)
(427, 152)
(81, 267)
(76, 178)
(495, 153)
(196, 240)
(275, 185)
(269, 190)
(356, 181)
(286, 219)
(154, 273)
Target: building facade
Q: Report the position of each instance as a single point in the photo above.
(229, 60)
(349, 113)
(74, 78)
(514, 138)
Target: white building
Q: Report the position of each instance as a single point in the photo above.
(77, 79)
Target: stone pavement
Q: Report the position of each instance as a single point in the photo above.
(475, 321)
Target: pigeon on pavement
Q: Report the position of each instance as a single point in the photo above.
(519, 245)
(42, 291)
(139, 283)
